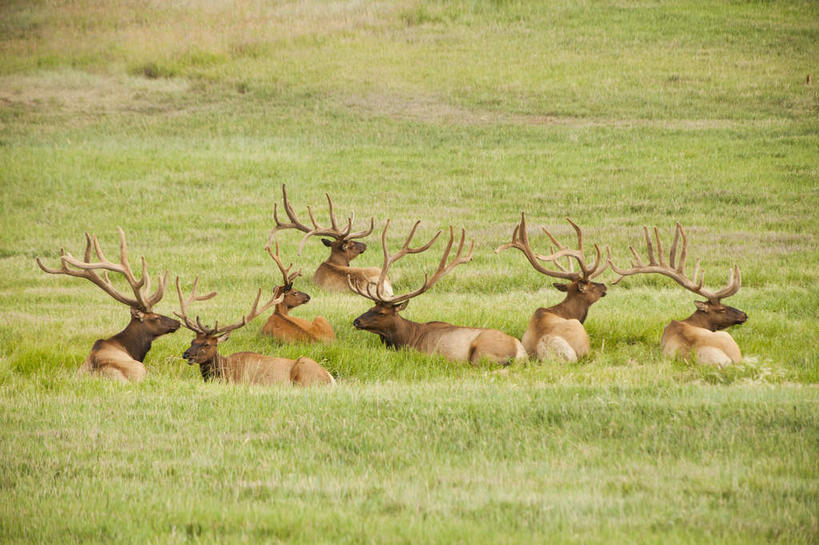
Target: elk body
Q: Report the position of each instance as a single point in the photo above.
(701, 333)
(288, 328)
(557, 331)
(453, 342)
(332, 274)
(243, 367)
(120, 357)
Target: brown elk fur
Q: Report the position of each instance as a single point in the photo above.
(456, 343)
(288, 328)
(119, 357)
(333, 273)
(243, 367)
(557, 332)
(700, 334)
(253, 368)
(453, 342)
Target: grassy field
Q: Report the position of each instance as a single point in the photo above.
(180, 121)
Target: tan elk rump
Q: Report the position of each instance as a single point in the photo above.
(332, 274)
(456, 343)
(119, 357)
(243, 367)
(557, 331)
(698, 335)
(286, 328)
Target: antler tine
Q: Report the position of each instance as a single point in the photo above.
(443, 267)
(291, 214)
(677, 273)
(364, 233)
(183, 307)
(520, 240)
(734, 283)
(288, 278)
(254, 312)
(88, 270)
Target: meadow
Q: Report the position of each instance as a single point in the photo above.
(180, 121)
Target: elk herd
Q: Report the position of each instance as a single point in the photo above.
(553, 333)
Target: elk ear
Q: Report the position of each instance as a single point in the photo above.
(327, 242)
(701, 305)
(402, 306)
(561, 287)
(138, 314)
(223, 338)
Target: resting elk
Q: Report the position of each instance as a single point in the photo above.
(557, 331)
(243, 367)
(288, 328)
(119, 357)
(332, 274)
(700, 334)
(453, 342)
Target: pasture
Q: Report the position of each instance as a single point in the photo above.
(180, 122)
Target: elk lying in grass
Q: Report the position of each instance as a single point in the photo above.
(288, 328)
(557, 331)
(332, 274)
(243, 367)
(700, 334)
(453, 342)
(120, 357)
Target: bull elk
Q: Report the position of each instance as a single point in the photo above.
(453, 342)
(288, 328)
(332, 274)
(701, 333)
(119, 357)
(558, 331)
(243, 367)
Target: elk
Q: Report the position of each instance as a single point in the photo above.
(453, 342)
(701, 333)
(288, 328)
(243, 367)
(557, 331)
(119, 357)
(332, 274)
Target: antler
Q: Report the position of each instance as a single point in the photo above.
(288, 278)
(676, 272)
(520, 240)
(88, 270)
(332, 231)
(215, 331)
(429, 281)
(196, 327)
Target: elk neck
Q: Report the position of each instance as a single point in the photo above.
(400, 332)
(338, 258)
(700, 319)
(571, 308)
(213, 368)
(282, 309)
(135, 339)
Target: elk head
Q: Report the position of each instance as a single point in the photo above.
(381, 318)
(291, 297)
(581, 291)
(711, 313)
(343, 247)
(141, 304)
(203, 349)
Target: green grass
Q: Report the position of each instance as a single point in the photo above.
(180, 123)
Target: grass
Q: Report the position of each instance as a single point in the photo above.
(180, 123)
